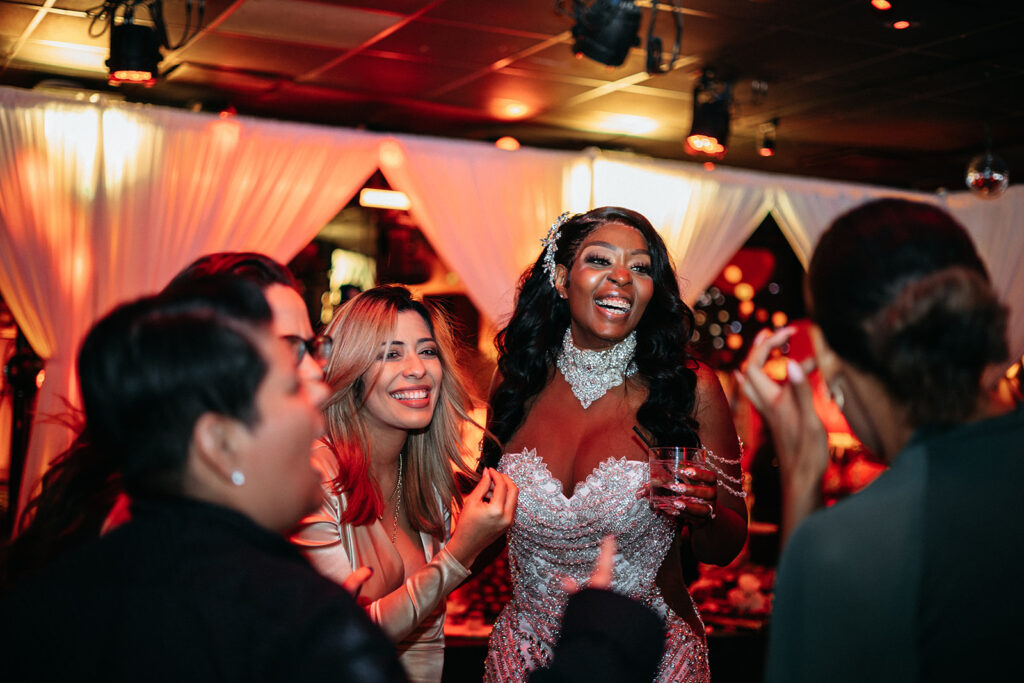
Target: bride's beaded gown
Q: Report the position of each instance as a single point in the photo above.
(554, 537)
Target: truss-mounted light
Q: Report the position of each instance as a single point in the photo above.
(606, 30)
(134, 54)
(709, 131)
(134, 47)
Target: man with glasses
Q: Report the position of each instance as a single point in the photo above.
(291, 319)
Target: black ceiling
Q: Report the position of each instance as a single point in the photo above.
(855, 99)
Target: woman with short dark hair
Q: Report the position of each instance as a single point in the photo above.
(899, 582)
(202, 410)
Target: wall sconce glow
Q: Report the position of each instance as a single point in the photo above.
(627, 124)
(509, 109)
(901, 24)
(383, 199)
(881, 4)
(507, 143)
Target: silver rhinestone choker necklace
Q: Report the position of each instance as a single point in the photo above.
(590, 374)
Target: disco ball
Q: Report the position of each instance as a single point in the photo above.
(987, 176)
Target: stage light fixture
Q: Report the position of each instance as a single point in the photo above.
(606, 30)
(134, 54)
(654, 47)
(135, 48)
(766, 138)
(709, 131)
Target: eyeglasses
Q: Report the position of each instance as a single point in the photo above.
(319, 347)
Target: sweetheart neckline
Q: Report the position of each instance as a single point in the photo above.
(601, 466)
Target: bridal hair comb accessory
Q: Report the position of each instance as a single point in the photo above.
(551, 245)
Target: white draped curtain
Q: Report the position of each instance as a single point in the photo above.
(803, 208)
(703, 217)
(101, 202)
(484, 210)
(997, 228)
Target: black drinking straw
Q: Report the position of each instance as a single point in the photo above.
(642, 437)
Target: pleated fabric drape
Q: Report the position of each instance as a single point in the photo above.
(484, 210)
(102, 202)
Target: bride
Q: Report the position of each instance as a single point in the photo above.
(596, 350)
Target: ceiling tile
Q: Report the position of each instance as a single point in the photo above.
(80, 5)
(63, 57)
(560, 60)
(453, 45)
(390, 75)
(62, 28)
(214, 80)
(493, 92)
(176, 13)
(627, 114)
(14, 19)
(404, 7)
(530, 16)
(233, 52)
(313, 23)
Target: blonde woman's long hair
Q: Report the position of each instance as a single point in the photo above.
(434, 459)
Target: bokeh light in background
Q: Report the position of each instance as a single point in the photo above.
(761, 286)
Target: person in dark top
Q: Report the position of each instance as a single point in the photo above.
(81, 494)
(913, 578)
(203, 409)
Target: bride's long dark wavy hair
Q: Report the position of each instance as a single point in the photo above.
(529, 344)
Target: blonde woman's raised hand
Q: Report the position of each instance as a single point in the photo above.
(487, 512)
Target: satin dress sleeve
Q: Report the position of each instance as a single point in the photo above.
(410, 609)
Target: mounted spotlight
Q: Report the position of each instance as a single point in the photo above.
(654, 47)
(709, 132)
(766, 138)
(135, 48)
(606, 30)
(134, 55)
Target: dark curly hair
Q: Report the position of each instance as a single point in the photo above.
(529, 344)
(900, 292)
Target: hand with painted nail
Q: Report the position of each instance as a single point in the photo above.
(487, 512)
(696, 490)
(690, 496)
(601, 576)
(799, 436)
